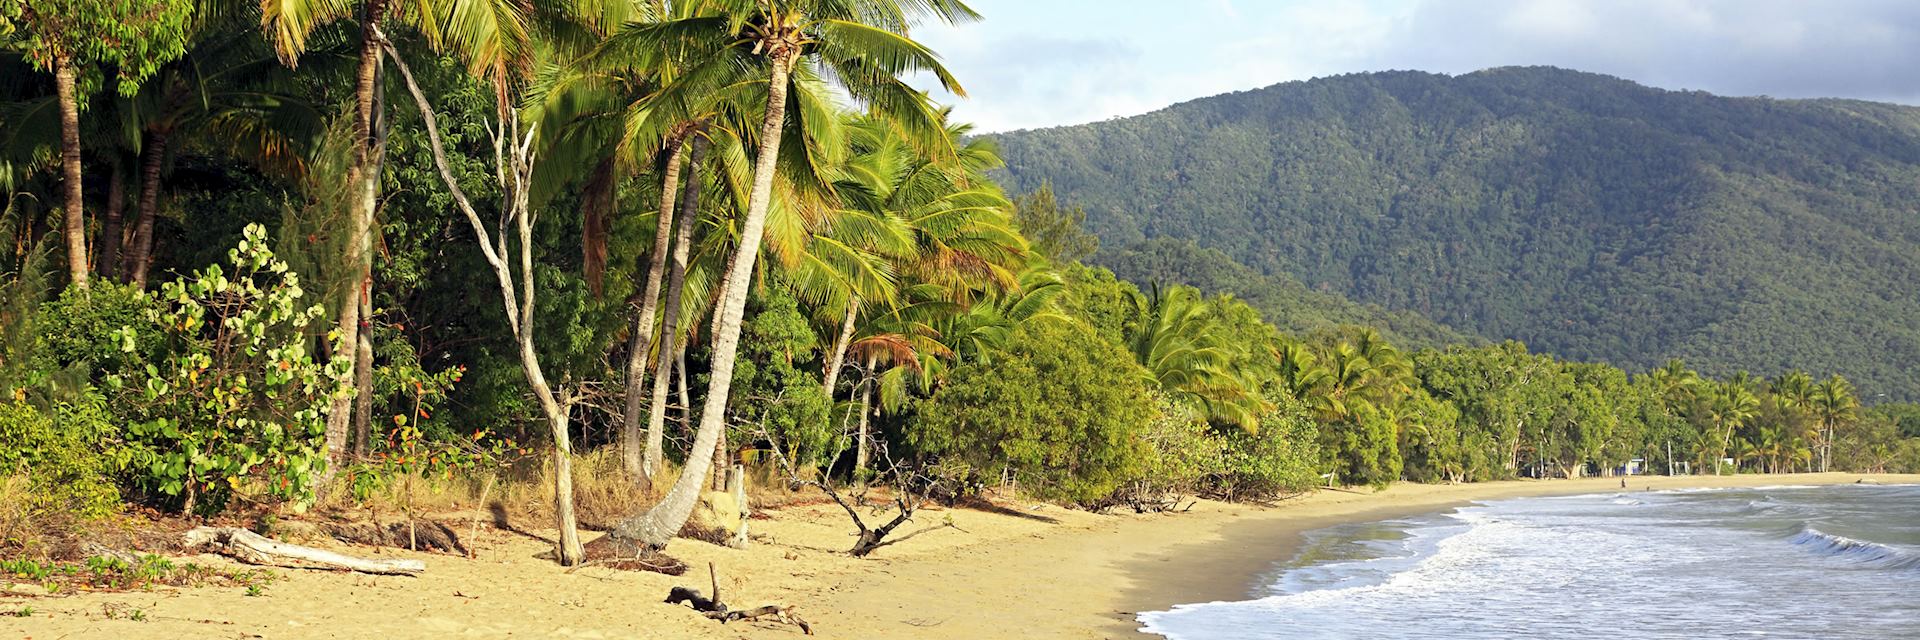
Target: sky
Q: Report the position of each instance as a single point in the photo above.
(1039, 63)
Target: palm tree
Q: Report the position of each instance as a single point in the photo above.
(1833, 404)
(863, 45)
(1728, 408)
(71, 38)
(1175, 343)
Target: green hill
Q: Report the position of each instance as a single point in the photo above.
(1589, 216)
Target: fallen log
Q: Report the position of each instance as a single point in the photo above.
(252, 548)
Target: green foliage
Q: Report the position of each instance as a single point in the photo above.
(70, 457)
(78, 329)
(772, 391)
(1053, 230)
(1280, 458)
(238, 396)
(1059, 407)
(130, 37)
(1591, 217)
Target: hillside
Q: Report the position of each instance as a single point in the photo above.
(1589, 216)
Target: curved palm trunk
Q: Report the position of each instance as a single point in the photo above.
(365, 176)
(75, 218)
(670, 311)
(106, 249)
(840, 344)
(658, 525)
(140, 248)
(641, 463)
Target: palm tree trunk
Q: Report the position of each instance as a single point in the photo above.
(140, 249)
(863, 444)
(641, 462)
(840, 344)
(689, 203)
(365, 176)
(106, 249)
(686, 397)
(661, 523)
(75, 217)
(363, 378)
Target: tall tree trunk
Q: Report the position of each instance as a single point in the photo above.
(642, 461)
(863, 443)
(75, 217)
(139, 254)
(686, 397)
(840, 344)
(363, 377)
(519, 308)
(364, 174)
(688, 216)
(106, 249)
(660, 524)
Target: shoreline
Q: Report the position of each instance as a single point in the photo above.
(1020, 570)
(1236, 564)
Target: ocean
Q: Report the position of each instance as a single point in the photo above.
(1770, 562)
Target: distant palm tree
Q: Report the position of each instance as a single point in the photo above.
(1833, 405)
(1729, 407)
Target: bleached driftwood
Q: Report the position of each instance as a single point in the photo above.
(252, 548)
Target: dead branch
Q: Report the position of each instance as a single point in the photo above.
(252, 548)
(717, 610)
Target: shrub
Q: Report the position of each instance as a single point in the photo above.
(78, 328)
(236, 396)
(69, 458)
(1279, 458)
(1059, 406)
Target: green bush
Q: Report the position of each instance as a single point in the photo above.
(78, 328)
(1060, 407)
(237, 402)
(70, 458)
(1279, 458)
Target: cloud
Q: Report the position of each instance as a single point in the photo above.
(1041, 64)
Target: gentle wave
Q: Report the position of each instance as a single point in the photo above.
(1870, 554)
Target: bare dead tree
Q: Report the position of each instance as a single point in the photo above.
(909, 487)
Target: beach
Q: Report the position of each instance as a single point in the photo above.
(1023, 570)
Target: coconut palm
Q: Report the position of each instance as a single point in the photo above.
(863, 45)
(1833, 404)
(1728, 408)
(1175, 343)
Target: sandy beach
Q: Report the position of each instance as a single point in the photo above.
(1028, 570)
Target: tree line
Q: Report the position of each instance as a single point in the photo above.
(372, 241)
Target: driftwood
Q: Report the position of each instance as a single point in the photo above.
(252, 548)
(717, 610)
(414, 535)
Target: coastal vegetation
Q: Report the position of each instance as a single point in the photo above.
(615, 250)
(1591, 217)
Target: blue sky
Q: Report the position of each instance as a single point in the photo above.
(1035, 63)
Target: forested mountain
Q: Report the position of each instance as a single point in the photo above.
(1282, 300)
(1589, 216)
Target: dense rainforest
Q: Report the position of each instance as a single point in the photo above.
(1591, 217)
(268, 258)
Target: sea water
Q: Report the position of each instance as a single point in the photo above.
(1769, 562)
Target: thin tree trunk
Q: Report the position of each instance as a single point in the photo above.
(363, 377)
(519, 309)
(840, 344)
(139, 256)
(364, 174)
(864, 441)
(689, 204)
(686, 397)
(642, 460)
(106, 249)
(658, 525)
(75, 217)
